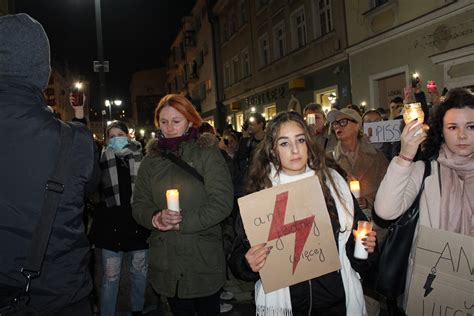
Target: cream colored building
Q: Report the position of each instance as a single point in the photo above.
(391, 40)
(279, 55)
(146, 89)
(191, 69)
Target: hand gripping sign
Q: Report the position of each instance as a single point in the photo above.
(293, 218)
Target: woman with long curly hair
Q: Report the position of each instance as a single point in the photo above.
(447, 200)
(286, 154)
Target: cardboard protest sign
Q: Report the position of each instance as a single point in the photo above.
(442, 282)
(384, 131)
(292, 218)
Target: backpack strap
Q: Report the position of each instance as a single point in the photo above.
(54, 189)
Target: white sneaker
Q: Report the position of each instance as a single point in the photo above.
(226, 295)
(226, 307)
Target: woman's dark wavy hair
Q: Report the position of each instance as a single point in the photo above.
(265, 155)
(457, 98)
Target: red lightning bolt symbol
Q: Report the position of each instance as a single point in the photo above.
(278, 228)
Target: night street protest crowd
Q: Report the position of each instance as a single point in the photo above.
(185, 245)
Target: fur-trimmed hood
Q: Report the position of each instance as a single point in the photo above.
(204, 140)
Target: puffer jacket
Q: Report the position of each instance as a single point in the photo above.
(190, 262)
(29, 150)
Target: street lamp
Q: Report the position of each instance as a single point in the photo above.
(109, 104)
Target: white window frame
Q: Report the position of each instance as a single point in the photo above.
(264, 49)
(235, 68)
(245, 57)
(327, 12)
(226, 74)
(298, 28)
(279, 40)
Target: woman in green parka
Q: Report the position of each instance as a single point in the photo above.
(186, 256)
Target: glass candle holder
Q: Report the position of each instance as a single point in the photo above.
(363, 228)
(413, 111)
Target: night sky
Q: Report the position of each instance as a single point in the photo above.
(137, 35)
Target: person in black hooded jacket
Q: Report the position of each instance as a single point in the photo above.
(28, 156)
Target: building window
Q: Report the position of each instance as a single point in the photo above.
(325, 16)
(226, 75)
(270, 112)
(264, 50)
(225, 30)
(279, 40)
(261, 4)
(298, 28)
(325, 97)
(239, 121)
(245, 63)
(236, 68)
(233, 23)
(377, 3)
(243, 12)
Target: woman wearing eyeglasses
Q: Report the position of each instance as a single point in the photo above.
(359, 159)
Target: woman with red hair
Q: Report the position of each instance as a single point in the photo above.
(186, 256)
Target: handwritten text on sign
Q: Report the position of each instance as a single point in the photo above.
(298, 227)
(442, 282)
(384, 131)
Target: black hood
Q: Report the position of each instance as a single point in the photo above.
(24, 50)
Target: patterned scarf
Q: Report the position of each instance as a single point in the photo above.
(457, 192)
(132, 153)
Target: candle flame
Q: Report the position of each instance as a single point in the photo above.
(172, 192)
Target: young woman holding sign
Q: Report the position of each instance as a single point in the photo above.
(286, 154)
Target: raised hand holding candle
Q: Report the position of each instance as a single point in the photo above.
(172, 200)
(363, 228)
(413, 111)
(355, 188)
(311, 119)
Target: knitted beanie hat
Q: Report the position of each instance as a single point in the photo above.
(24, 50)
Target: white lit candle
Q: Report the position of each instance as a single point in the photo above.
(172, 199)
(355, 188)
(363, 228)
(311, 119)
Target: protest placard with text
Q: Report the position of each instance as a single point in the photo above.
(442, 281)
(383, 131)
(293, 218)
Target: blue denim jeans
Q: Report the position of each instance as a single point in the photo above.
(112, 264)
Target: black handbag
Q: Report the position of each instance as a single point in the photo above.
(395, 250)
(13, 300)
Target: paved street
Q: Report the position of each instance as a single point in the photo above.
(242, 301)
